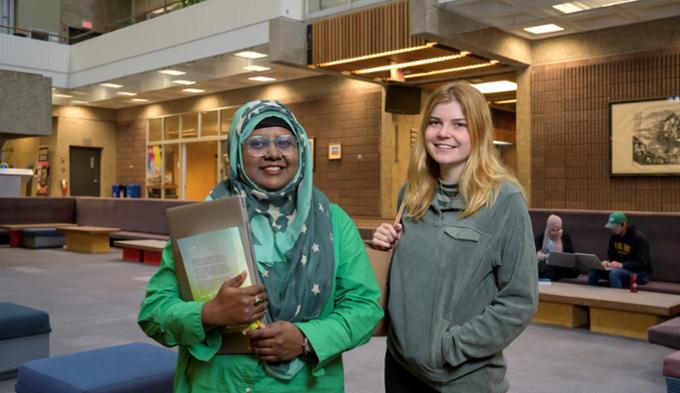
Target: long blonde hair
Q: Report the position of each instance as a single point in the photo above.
(483, 174)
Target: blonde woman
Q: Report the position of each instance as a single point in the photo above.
(463, 282)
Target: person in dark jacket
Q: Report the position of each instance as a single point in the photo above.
(628, 254)
(553, 239)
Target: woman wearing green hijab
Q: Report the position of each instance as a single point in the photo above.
(319, 293)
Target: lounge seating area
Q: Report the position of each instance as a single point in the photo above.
(136, 218)
(587, 232)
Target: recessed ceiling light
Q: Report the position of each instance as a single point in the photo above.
(568, 8)
(139, 100)
(261, 78)
(183, 82)
(544, 29)
(192, 90)
(126, 93)
(495, 87)
(62, 95)
(171, 72)
(249, 54)
(256, 68)
(111, 85)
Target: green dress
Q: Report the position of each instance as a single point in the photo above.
(347, 321)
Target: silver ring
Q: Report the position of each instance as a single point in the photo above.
(257, 300)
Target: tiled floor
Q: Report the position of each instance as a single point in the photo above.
(93, 302)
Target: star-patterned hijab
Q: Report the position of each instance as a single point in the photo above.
(291, 227)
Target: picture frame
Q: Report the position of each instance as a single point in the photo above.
(334, 151)
(645, 137)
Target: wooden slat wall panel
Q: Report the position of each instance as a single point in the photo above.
(570, 132)
(363, 33)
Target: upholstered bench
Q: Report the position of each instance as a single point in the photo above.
(135, 367)
(666, 333)
(24, 336)
(43, 238)
(671, 370)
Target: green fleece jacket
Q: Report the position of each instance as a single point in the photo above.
(460, 291)
(346, 322)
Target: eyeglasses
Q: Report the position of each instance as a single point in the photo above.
(258, 145)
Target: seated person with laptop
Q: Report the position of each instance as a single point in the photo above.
(553, 240)
(628, 254)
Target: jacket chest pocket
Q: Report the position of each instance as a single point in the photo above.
(464, 244)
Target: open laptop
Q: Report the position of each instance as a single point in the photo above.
(561, 259)
(579, 261)
(588, 262)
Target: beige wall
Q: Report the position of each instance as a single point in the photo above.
(87, 127)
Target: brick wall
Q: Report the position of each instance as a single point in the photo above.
(349, 118)
(352, 120)
(131, 138)
(570, 132)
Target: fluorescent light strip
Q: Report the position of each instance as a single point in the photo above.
(456, 69)
(495, 87)
(171, 72)
(111, 85)
(183, 82)
(261, 78)
(62, 95)
(611, 3)
(194, 91)
(256, 68)
(543, 29)
(501, 102)
(501, 143)
(412, 63)
(126, 93)
(249, 54)
(139, 100)
(373, 56)
(78, 102)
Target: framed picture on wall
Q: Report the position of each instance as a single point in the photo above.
(645, 137)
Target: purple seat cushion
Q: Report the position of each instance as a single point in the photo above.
(671, 365)
(666, 333)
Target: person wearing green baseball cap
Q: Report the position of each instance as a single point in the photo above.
(628, 254)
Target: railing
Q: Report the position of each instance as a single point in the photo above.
(138, 15)
(33, 33)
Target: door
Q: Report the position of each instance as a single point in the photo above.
(84, 164)
(201, 169)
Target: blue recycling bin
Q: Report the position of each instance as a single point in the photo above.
(133, 190)
(115, 191)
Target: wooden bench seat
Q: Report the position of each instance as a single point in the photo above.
(16, 231)
(89, 239)
(606, 310)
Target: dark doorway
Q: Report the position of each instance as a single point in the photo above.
(84, 170)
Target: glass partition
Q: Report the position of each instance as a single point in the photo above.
(209, 124)
(172, 172)
(190, 125)
(171, 128)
